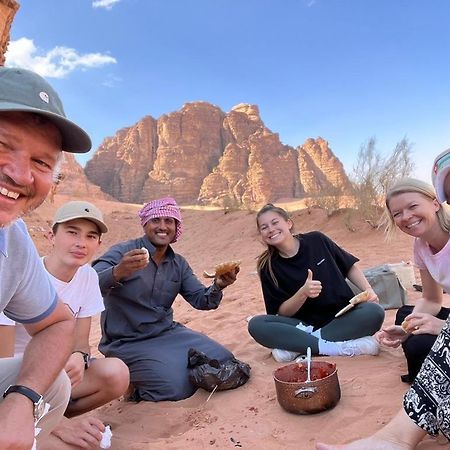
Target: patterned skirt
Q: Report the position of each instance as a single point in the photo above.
(427, 402)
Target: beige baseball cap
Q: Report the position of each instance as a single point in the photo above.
(80, 210)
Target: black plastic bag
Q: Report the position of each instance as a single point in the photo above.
(211, 374)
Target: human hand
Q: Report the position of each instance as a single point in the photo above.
(373, 297)
(16, 423)
(131, 262)
(83, 432)
(227, 278)
(424, 323)
(391, 336)
(311, 288)
(75, 368)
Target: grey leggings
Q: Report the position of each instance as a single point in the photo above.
(272, 331)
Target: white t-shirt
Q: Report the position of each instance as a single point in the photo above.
(81, 293)
(437, 264)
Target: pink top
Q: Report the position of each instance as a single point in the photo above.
(437, 264)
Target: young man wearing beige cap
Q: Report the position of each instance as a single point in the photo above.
(76, 236)
(34, 131)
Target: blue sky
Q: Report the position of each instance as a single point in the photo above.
(345, 70)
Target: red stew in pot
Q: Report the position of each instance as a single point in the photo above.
(298, 374)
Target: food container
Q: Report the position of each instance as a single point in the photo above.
(297, 395)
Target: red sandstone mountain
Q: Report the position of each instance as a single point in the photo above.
(72, 182)
(320, 169)
(200, 154)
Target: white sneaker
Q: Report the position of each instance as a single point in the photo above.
(280, 355)
(366, 345)
(306, 328)
(309, 329)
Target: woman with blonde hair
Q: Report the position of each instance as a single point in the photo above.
(412, 207)
(303, 279)
(426, 405)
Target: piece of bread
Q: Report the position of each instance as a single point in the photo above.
(360, 298)
(147, 255)
(406, 326)
(222, 269)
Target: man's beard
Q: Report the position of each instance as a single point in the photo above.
(28, 192)
(23, 213)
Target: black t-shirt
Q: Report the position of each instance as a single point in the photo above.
(328, 262)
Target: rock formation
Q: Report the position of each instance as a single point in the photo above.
(200, 154)
(254, 167)
(190, 143)
(320, 170)
(122, 163)
(8, 9)
(72, 181)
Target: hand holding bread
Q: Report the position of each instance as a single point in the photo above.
(407, 327)
(131, 261)
(223, 268)
(363, 296)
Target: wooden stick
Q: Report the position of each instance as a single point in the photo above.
(212, 392)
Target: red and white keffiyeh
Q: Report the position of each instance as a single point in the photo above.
(163, 207)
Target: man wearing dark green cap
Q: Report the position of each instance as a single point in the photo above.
(33, 133)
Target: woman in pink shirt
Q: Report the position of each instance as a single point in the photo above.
(426, 405)
(412, 207)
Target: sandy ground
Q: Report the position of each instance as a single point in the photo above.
(250, 416)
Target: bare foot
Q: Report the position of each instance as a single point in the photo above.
(372, 443)
(401, 433)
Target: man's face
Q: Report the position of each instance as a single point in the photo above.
(161, 231)
(75, 242)
(29, 152)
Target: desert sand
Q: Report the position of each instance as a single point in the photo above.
(250, 416)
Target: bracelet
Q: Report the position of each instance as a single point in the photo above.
(86, 358)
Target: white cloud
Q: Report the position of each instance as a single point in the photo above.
(107, 4)
(57, 63)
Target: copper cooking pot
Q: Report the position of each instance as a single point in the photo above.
(299, 396)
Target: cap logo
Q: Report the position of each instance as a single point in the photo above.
(44, 96)
(86, 209)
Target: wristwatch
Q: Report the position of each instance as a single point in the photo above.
(86, 358)
(37, 399)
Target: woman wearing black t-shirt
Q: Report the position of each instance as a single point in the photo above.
(303, 279)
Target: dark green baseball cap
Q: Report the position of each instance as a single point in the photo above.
(26, 91)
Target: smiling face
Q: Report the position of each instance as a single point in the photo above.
(29, 151)
(161, 231)
(74, 243)
(414, 213)
(274, 229)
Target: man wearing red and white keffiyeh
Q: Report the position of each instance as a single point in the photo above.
(140, 280)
